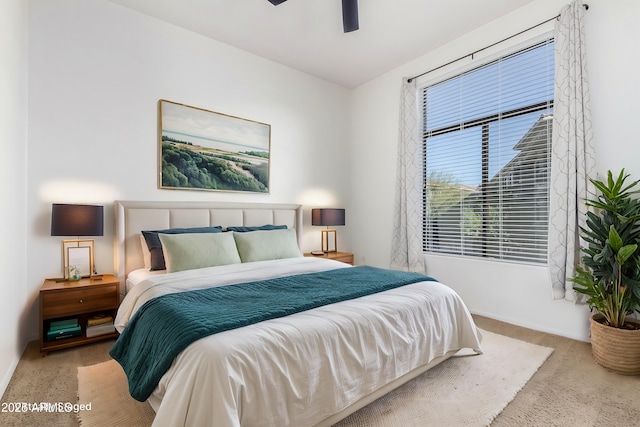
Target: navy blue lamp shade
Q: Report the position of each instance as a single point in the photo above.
(77, 220)
(327, 217)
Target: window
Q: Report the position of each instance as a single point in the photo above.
(487, 139)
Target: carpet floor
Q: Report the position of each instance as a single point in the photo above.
(467, 390)
(568, 390)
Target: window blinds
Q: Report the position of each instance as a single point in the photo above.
(486, 139)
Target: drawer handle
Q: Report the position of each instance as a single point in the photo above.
(81, 301)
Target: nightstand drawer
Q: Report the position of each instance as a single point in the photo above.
(77, 301)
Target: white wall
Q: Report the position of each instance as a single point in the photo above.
(514, 293)
(97, 71)
(13, 175)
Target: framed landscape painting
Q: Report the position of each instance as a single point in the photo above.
(205, 150)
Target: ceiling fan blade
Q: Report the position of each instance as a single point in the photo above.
(276, 2)
(349, 15)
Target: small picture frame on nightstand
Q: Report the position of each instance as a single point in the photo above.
(78, 254)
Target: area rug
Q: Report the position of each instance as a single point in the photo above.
(464, 391)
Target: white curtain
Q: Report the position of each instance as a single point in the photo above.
(573, 155)
(406, 245)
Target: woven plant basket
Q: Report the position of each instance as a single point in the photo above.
(615, 349)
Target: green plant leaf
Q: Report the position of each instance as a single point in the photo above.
(625, 253)
(614, 239)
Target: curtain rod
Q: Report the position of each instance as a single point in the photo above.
(586, 7)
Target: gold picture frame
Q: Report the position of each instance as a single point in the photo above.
(77, 253)
(200, 149)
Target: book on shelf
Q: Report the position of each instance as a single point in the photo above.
(62, 333)
(101, 329)
(99, 319)
(63, 324)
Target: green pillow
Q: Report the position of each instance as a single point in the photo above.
(155, 247)
(265, 245)
(199, 250)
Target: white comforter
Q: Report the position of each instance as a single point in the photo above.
(301, 369)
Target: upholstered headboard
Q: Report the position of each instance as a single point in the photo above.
(131, 217)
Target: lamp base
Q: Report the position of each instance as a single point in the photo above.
(326, 240)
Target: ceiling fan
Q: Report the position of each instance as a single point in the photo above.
(349, 14)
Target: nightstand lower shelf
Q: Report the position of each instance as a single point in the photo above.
(75, 341)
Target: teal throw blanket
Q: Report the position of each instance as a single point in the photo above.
(166, 325)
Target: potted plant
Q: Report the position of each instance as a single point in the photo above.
(609, 275)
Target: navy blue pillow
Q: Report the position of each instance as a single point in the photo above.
(155, 246)
(240, 229)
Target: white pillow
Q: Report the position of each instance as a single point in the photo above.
(267, 244)
(198, 250)
(146, 255)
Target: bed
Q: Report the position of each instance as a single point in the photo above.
(310, 366)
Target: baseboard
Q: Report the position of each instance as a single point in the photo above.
(6, 378)
(562, 333)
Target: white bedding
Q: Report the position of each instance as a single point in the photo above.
(302, 369)
(137, 276)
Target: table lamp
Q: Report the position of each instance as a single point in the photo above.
(328, 217)
(77, 220)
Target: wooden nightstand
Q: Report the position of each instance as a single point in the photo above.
(61, 300)
(346, 257)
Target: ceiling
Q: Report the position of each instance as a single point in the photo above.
(307, 34)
